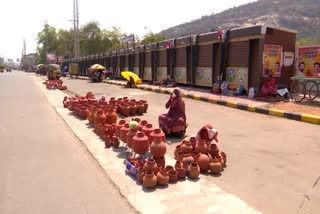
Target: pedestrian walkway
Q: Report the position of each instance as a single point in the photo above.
(242, 103)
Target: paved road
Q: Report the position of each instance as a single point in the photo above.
(43, 166)
(273, 163)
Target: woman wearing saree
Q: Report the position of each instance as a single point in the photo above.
(175, 120)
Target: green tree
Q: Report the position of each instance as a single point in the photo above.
(90, 39)
(151, 37)
(114, 36)
(64, 43)
(47, 42)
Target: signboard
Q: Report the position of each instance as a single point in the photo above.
(237, 76)
(51, 57)
(203, 76)
(272, 62)
(73, 68)
(128, 39)
(309, 61)
(288, 58)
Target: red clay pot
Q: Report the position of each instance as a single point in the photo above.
(140, 108)
(118, 127)
(193, 170)
(149, 179)
(157, 133)
(173, 175)
(215, 166)
(111, 117)
(142, 123)
(162, 177)
(203, 161)
(160, 162)
(140, 143)
(147, 129)
(202, 147)
(99, 117)
(151, 165)
(187, 147)
(123, 132)
(213, 150)
(130, 135)
(158, 148)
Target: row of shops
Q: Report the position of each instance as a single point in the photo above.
(242, 56)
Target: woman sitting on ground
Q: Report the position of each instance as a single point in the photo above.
(131, 83)
(175, 120)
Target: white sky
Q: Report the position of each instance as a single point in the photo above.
(25, 18)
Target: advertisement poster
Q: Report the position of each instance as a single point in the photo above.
(237, 76)
(309, 61)
(272, 62)
(203, 76)
(180, 75)
(288, 58)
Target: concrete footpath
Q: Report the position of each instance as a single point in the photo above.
(186, 196)
(229, 101)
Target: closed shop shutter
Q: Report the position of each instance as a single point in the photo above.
(181, 57)
(136, 59)
(148, 59)
(205, 56)
(238, 54)
(163, 58)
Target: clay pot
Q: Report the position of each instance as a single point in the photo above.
(187, 158)
(111, 117)
(123, 132)
(224, 157)
(136, 119)
(203, 161)
(178, 164)
(182, 173)
(151, 165)
(142, 123)
(161, 162)
(99, 117)
(173, 175)
(193, 170)
(115, 141)
(193, 141)
(157, 133)
(162, 177)
(147, 129)
(168, 168)
(213, 150)
(107, 142)
(149, 179)
(140, 108)
(187, 147)
(158, 148)
(220, 159)
(133, 109)
(140, 143)
(215, 166)
(202, 147)
(130, 135)
(118, 127)
(177, 150)
(126, 110)
(140, 174)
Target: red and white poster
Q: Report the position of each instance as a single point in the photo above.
(272, 60)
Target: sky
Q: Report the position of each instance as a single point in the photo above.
(21, 19)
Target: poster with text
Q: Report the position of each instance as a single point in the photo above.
(272, 62)
(309, 61)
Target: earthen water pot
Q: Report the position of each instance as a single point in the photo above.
(147, 129)
(158, 148)
(161, 162)
(162, 177)
(149, 179)
(118, 127)
(99, 117)
(123, 132)
(142, 123)
(187, 147)
(111, 116)
(133, 109)
(203, 161)
(140, 174)
(202, 147)
(157, 132)
(213, 150)
(151, 165)
(173, 175)
(215, 166)
(140, 143)
(177, 150)
(130, 135)
(193, 170)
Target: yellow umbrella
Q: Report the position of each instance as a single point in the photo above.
(97, 67)
(128, 74)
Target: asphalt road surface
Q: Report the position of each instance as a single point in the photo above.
(273, 163)
(44, 168)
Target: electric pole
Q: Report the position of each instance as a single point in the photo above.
(76, 28)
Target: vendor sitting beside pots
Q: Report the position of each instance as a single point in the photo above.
(131, 83)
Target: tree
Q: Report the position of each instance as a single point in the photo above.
(47, 42)
(64, 43)
(114, 36)
(151, 37)
(91, 39)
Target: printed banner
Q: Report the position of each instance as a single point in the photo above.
(51, 57)
(161, 73)
(180, 75)
(309, 61)
(237, 76)
(272, 60)
(203, 76)
(288, 58)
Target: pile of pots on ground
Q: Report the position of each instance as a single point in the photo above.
(55, 84)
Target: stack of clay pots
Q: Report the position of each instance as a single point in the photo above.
(55, 84)
(206, 155)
